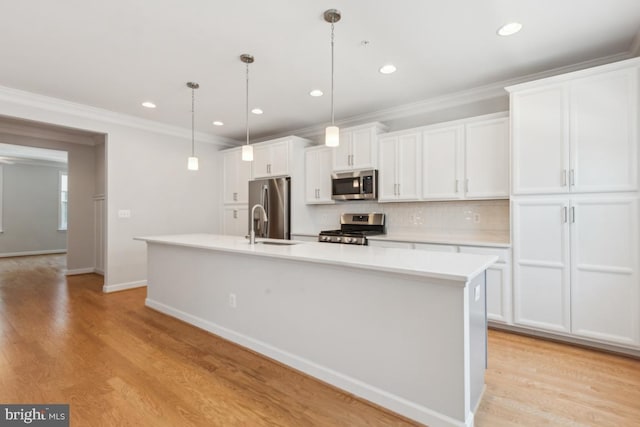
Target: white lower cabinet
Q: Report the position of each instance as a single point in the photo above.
(236, 220)
(498, 275)
(499, 307)
(576, 266)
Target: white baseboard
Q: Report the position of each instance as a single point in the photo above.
(363, 390)
(76, 271)
(99, 271)
(124, 286)
(30, 253)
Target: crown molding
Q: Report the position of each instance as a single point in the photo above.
(48, 103)
(455, 99)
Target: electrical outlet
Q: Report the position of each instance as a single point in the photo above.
(232, 301)
(476, 218)
(124, 213)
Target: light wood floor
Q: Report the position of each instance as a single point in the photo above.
(119, 363)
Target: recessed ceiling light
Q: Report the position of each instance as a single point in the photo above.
(316, 92)
(148, 104)
(388, 69)
(218, 123)
(257, 111)
(509, 29)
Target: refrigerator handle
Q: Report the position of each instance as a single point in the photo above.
(265, 204)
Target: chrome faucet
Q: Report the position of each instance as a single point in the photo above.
(252, 234)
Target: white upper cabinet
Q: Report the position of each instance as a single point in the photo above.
(467, 160)
(318, 162)
(237, 174)
(486, 154)
(442, 163)
(577, 135)
(358, 148)
(604, 132)
(271, 159)
(400, 167)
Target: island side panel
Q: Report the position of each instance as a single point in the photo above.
(476, 293)
(396, 340)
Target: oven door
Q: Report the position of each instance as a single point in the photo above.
(358, 185)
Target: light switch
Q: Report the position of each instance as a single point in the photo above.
(124, 213)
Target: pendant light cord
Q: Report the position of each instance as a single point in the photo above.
(332, 37)
(193, 121)
(247, 105)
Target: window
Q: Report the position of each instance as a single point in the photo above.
(63, 200)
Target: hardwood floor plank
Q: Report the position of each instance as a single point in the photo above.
(119, 363)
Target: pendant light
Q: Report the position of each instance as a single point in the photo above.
(192, 162)
(247, 150)
(332, 133)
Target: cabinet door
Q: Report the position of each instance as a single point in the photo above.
(230, 160)
(441, 158)
(261, 161)
(237, 174)
(235, 220)
(541, 263)
(364, 150)
(498, 283)
(604, 135)
(487, 159)
(605, 287)
(342, 153)
(318, 175)
(387, 173)
(539, 120)
(311, 176)
(279, 158)
(409, 166)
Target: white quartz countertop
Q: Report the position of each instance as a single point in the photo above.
(449, 266)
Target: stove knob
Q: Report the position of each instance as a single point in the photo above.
(348, 239)
(338, 239)
(325, 238)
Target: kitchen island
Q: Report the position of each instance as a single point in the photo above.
(403, 329)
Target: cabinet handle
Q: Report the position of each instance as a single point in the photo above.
(457, 185)
(235, 197)
(466, 185)
(398, 189)
(564, 214)
(235, 214)
(564, 177)
(572, 180)
(573, 214)
(317, 193)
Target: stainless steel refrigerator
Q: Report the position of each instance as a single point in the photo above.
(274, 194)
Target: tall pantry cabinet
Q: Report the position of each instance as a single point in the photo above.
(575, 204)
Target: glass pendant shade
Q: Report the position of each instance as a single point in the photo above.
(332, 136)
(247, 153)
(192, 164)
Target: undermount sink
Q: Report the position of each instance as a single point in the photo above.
(278, 243)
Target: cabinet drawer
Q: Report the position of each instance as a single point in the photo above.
(503, 254)
(435, 247)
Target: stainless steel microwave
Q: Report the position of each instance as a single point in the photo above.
(356, 185)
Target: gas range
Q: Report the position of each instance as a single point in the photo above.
(354, 229)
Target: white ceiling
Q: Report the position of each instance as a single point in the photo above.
(115, 54)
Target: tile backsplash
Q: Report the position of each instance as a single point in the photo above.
(450, 216)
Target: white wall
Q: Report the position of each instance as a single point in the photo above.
(30, 210)
(146, 173)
